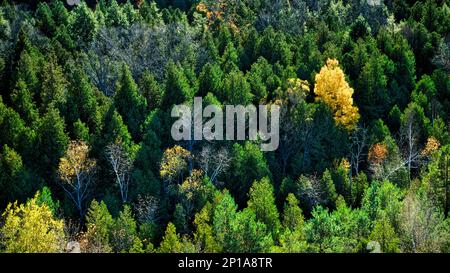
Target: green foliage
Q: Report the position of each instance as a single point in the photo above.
(328, 189)
(173, 243)
(82, 104)
(24, 103)
(239, 231)
(385, 235)
(262, 80)
(113, 131)
(178, 89)
(151, 90)
(293, 237)
(293, 218)
(15, 179)
(338, 231)
(123, 234)
(52, 141)
(129, 103)
(146, 166)
(84, 25)
(262, 203)
(99, 223)
(44, 17)
(53, 86)
(80, 131)
(360, 28)
(210, 79)
(248, 165)
(373, 87)
(204, 237)
(382, 197)
(45, 198)
(236, 89)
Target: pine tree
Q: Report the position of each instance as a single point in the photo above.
(236, 89)
(16, 181)
(171, 242)
(80, 131)
(210, 79)
(129, 103)
(248, 165)
(262, 80)
(113, 131)
(124, 231)
(146, 166)
(81, 103)
(44, 17)
(115, 15)
(99, 223)
(385, 235)
(53, 86)
(60, 14)
(293, 218)
(52, 142)
(151, 90)
(178, 89)
(262, 203)
(28, 69)
(84, 24)
(24, 104)
(203, 236)
(329, 194)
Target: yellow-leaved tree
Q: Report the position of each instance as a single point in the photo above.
(174, 162)
(76, 170)
(332, 89)
(31, 228)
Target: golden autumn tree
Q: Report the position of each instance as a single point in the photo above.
(192, 189)
(377, 153)
(76, 170)
(431, 146)
(332, 89)
(173, 164)
(31, 228)
(219, 11)
(192, 184)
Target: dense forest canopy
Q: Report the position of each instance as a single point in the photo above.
(87, 160)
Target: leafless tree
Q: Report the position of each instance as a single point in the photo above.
(442, 57)
(142, 48)
(101, 70)
(121, 163)
(214, 162)
(409, 140)
(310, 190)
(286, 15)
(146, 209)
(358, 142)
(387, 160)
(72, 230)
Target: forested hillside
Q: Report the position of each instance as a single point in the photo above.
(87, 158)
